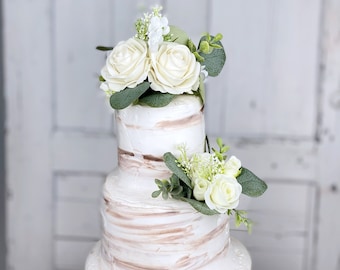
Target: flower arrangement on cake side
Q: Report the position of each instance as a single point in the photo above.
(152, 68)
(210, 182)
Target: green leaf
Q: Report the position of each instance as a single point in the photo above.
(104, 48)
(157, 99)
(156, 193)
(252, 185)
(201, 89)
(215, 60)
(178, 35)
(165, 195)
(171, 162)
(124, 98)
(200, 207)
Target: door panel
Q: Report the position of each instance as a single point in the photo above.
(272, 104)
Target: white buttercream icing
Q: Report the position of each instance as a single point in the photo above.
(141, 232)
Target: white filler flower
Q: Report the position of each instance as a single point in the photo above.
(158, 28)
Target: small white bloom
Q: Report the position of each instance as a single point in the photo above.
(200, 187)
(223, 193)
(233, 166)
(158, 27)
(204, 73)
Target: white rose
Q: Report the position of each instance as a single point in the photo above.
(200, 187)
(174, 69)
(223, 193)
(126, 66)
(233, 166)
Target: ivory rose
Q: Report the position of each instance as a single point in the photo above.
(223, 193)
(174, 69)
(233, 166)
(200, 187)
(126, 66)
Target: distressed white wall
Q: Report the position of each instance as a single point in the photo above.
(276, 103)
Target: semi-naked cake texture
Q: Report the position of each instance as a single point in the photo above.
(141, 232)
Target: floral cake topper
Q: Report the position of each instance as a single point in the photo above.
(158, 63)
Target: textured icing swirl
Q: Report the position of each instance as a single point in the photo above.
(138, 228)
(151, 131)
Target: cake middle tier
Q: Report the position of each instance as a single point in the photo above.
(141, 232)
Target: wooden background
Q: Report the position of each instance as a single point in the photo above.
(276, 103)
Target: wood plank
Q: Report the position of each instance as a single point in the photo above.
(79, 103)
(284, 225)
(27, 63)
(78, 152)
(272, 49)
(328, 248)
(274, 159)
(71, 254)
(292, 242)
(78, 219)
(195, 26)
(265, 259)
(79, 186)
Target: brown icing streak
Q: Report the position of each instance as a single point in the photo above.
(174, 124)
(122, 153)
(211, 235)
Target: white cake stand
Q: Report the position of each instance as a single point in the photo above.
(238, 257)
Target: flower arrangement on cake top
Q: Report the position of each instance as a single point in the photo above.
(158, 63)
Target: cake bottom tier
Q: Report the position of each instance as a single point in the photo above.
(236, 258)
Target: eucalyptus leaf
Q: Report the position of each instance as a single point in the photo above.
(124, 98)
(171, 162)
(215, 60)
(252, 185)
(178, 35)
(200, 207)
(157, 99)
(201, 89)
(104, 48)
(156, 193)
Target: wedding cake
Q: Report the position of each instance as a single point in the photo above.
(168, 203)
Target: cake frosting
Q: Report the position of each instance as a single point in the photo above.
(141, 232)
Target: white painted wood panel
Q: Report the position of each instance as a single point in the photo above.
(269, 85)
(79, 27)
(283, 225)
(328, 249)
(60, 129)
(71, 254)
(79, 186)
(27, 59)
(84, 152)
(78, 219)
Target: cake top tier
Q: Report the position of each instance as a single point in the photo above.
(147, 133)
